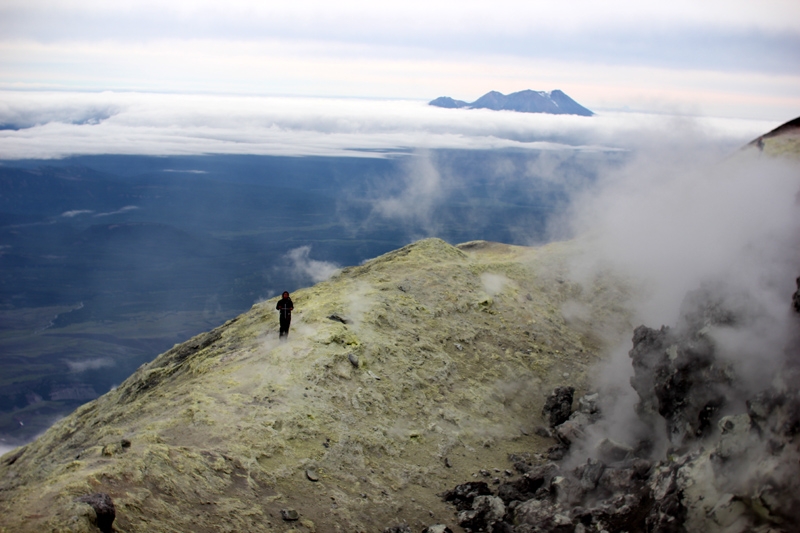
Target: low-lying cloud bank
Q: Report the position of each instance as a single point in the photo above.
(53, 125)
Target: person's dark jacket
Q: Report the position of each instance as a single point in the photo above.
(285, 306)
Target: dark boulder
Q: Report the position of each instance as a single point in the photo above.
(796, 297)
(485, 513)
(589, 473)
(558, 406)
(680, 379)
(104, 510)
(526, 487)
(542, 517)
(464, 495)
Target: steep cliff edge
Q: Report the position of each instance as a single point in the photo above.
(400, 377)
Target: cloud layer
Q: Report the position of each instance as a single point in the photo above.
(53, 125)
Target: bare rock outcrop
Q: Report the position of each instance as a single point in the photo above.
(728, 465)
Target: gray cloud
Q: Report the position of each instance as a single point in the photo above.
(732, 34)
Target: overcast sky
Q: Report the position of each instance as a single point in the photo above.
(714, 58)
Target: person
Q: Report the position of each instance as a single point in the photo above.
(285, 307)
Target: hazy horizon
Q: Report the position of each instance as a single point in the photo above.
(728, 59)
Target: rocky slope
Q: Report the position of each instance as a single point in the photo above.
(783, 141)
(401, 378)
(709, 455)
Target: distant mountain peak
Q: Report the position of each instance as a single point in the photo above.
(554, 102)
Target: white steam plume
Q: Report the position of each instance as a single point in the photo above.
(307, 268)
(90, 364)
(677, 219)
(422, 190)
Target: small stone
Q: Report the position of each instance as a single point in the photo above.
(311, 474)
(372, 375)
(447, 462)
(353, 358)
(337, 318)
(290, 515)
(459, 347)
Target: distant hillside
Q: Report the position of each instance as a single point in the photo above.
(553, 102)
